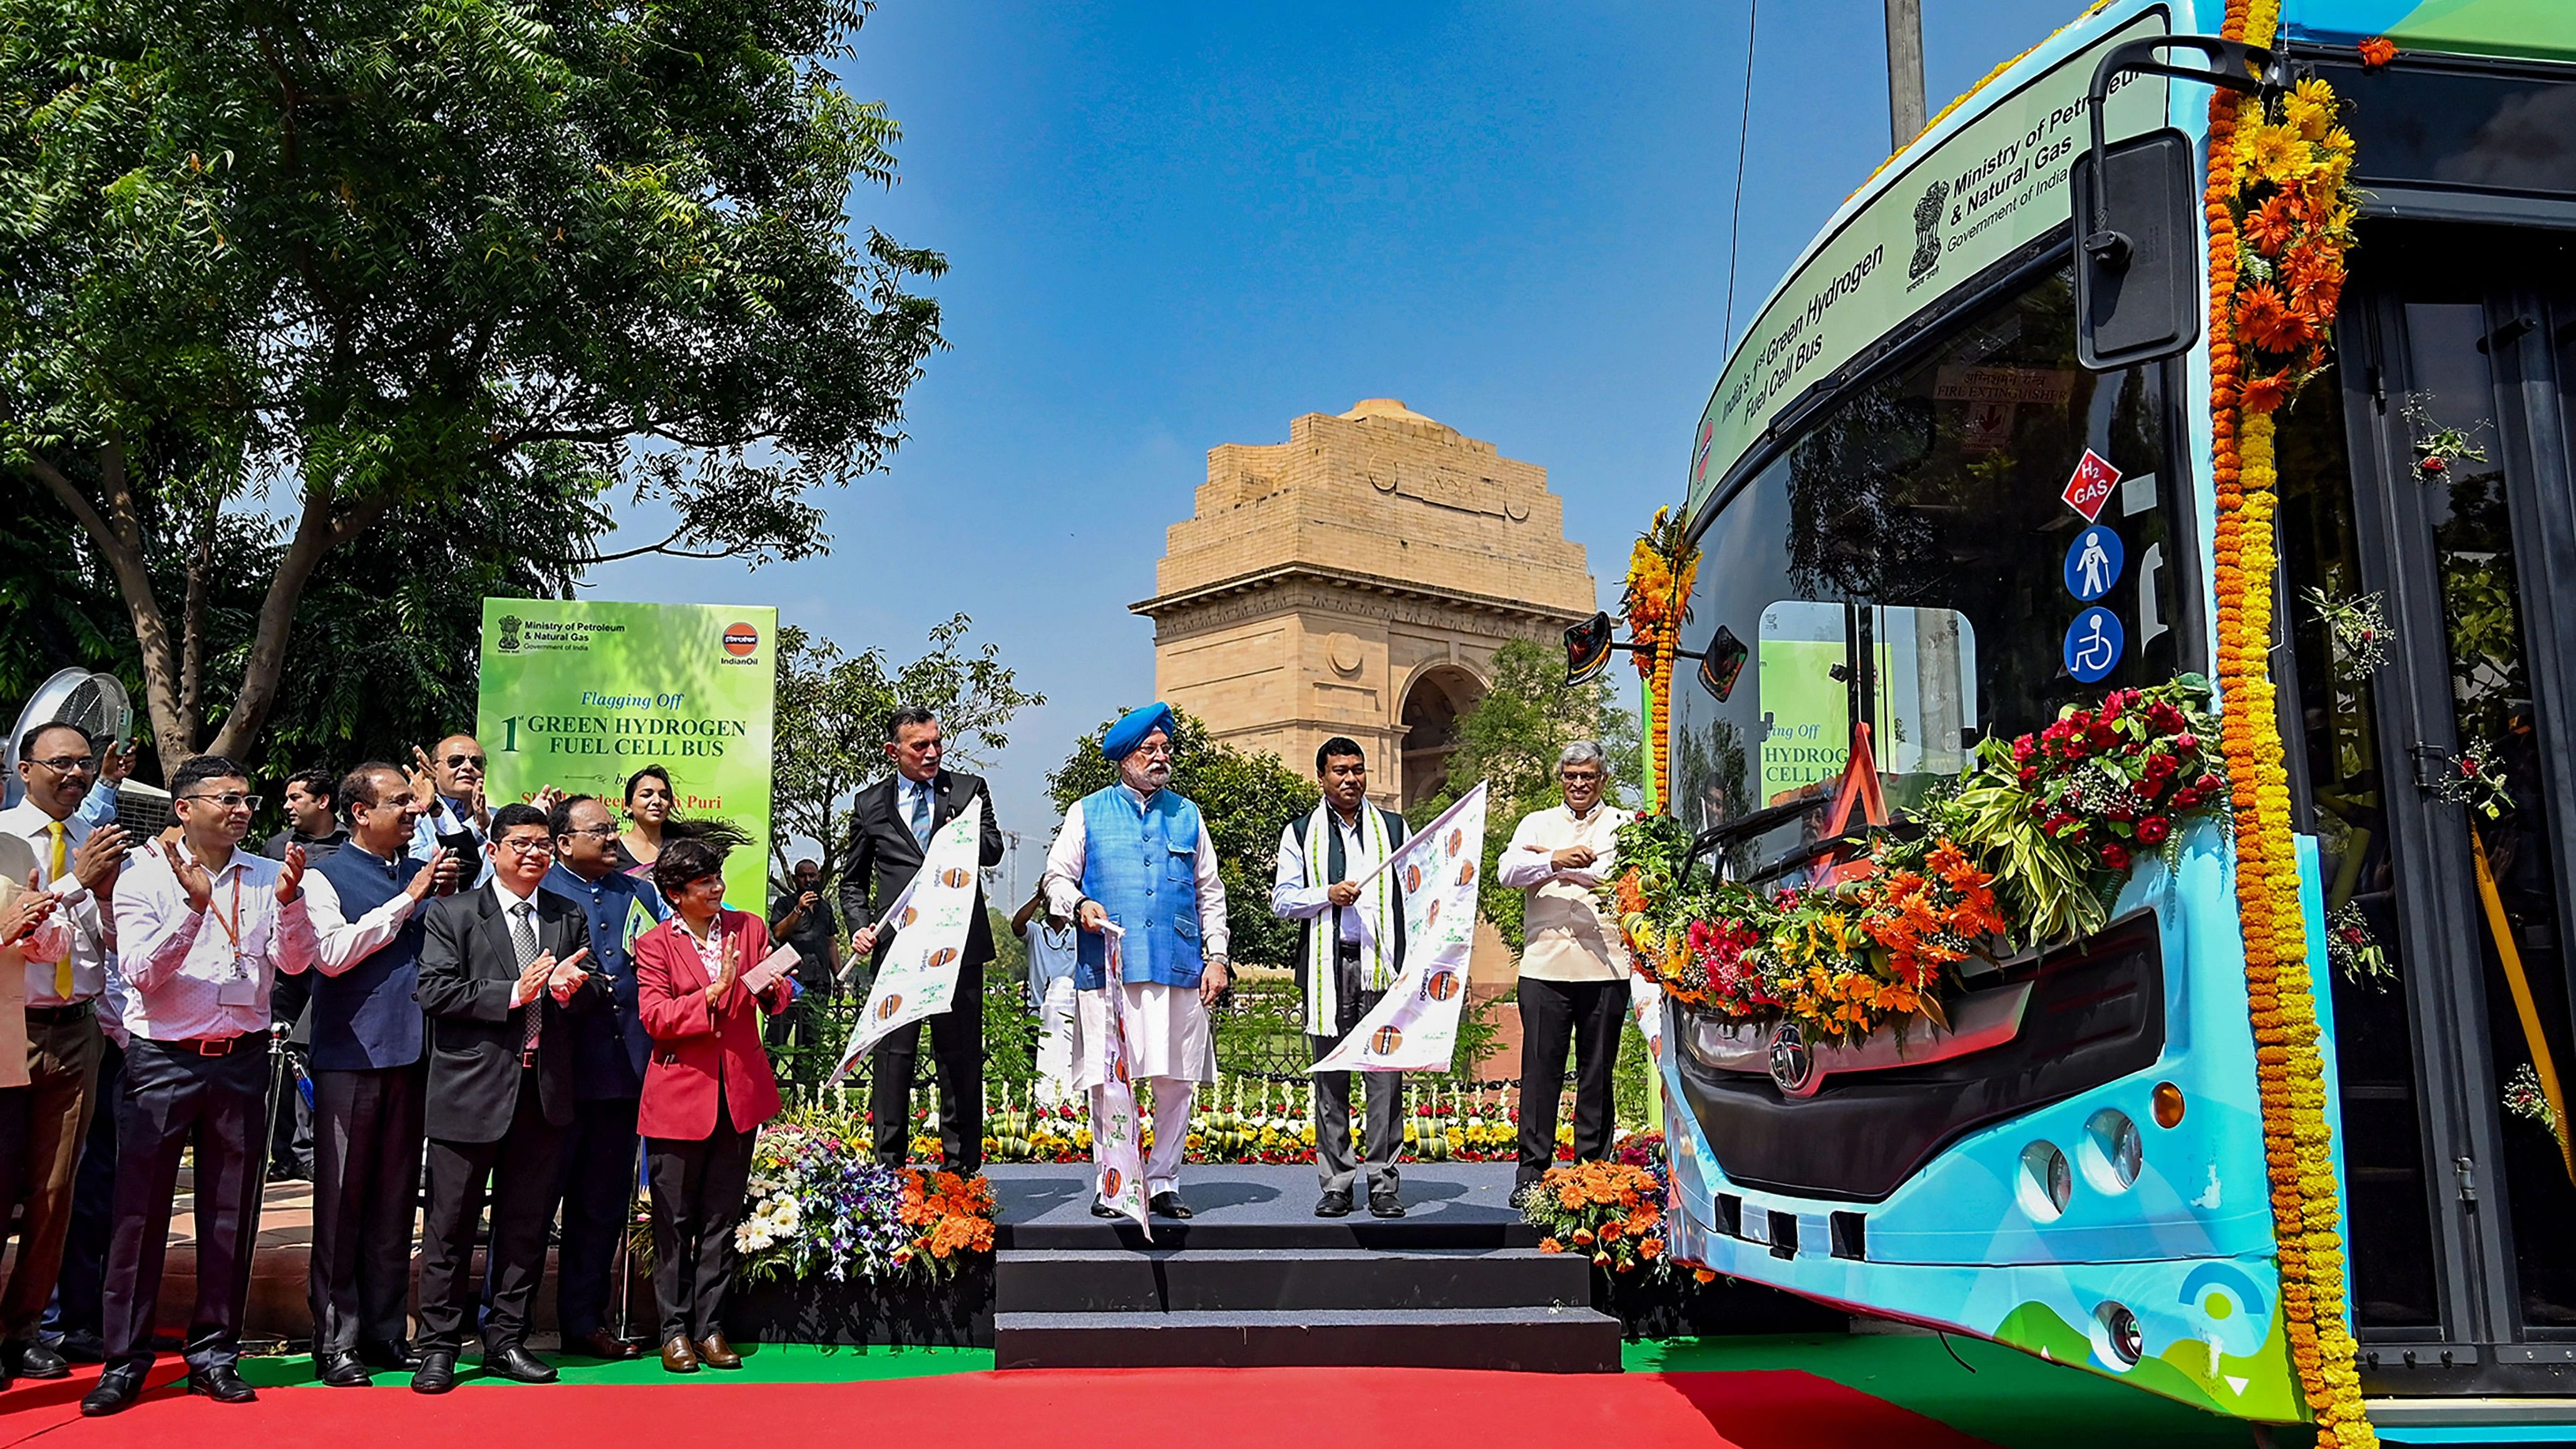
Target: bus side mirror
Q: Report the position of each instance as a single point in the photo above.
(2137, 251)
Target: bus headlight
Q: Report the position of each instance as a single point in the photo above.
(2112, 1150)
(2046, 1181)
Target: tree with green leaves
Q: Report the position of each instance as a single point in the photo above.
(298, 276)
(1510, 739)
(1246, 798)
(829, 731)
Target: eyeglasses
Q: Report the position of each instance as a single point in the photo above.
(228, 800)
(1153, 752)
(459, 762)
(1579, 777)
(71, 764)
(600, 832)
(535, 845)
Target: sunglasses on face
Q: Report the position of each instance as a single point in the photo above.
(230, 800)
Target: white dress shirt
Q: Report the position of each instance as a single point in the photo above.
(78, 910)
(511, 901)
(1296, 895)
(190, 973)
(907, 790)
(340, 942)
(1064, 876)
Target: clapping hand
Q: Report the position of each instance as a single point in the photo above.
(27, 912)
(192, 877)
(547, 799)
(290, 875)
(533, 978)
(98, 859)
(728, 970)
(423, 782)
(568, 975)
(436, 878)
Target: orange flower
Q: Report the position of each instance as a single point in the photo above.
(1650, 1248)
(2265, 320)
(2274, 224)
(2265, 394)
(2377, 51)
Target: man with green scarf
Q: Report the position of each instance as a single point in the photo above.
(1351, 949)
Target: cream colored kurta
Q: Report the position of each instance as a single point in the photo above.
(1565, 935)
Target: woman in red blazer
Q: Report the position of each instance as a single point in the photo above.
(707, 1089)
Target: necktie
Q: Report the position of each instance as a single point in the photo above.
(62, 861)
(523, 937)
(921, 813)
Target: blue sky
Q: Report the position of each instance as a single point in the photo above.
(1177, 225)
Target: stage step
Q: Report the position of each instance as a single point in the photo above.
(1120, 1280)
(1527, 1339)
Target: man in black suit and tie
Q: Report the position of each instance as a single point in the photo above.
(501, 979)
(889, 830)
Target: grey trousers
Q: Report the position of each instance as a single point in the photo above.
(1334, 1164)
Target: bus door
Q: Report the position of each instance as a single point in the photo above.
(2428, 542)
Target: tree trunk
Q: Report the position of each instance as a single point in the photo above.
(316, 534)
(118, 533)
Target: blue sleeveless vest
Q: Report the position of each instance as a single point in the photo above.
(1141, 864)
(365, 1018)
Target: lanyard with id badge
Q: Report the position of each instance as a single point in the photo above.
(239, 987)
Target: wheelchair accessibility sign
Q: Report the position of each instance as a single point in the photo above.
(2093, 645)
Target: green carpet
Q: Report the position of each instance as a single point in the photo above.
(2000, 1395)
(784, 1363)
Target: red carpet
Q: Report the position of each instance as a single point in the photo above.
(1241, 1409)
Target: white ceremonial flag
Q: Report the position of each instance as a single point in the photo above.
(1415, 1028)
(919, 976)
(1117, 1147)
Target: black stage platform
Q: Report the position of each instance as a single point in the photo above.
(1255, 1278)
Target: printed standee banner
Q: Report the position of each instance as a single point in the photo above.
(1414, 1028)
(579, 694)
(1117, 1145)
(918, 977)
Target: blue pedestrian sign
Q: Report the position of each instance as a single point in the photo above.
(2093, 645)
(2094, 561)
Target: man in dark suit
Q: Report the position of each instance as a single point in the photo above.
(501, 978)
(890, 828)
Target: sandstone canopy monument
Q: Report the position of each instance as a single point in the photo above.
(1356, 580)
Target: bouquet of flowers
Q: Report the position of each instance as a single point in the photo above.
(1609, 1210)
(820, 1206)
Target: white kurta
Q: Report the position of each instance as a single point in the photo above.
(1167, 1025)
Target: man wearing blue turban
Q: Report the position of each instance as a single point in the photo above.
(1137, 854)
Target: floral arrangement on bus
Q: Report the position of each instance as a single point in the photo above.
(2030, 845)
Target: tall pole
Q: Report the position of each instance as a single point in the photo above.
(1905, 112)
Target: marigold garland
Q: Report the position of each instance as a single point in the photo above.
(2280, 218)
(1661, 568)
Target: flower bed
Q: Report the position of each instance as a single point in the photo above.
(821, 1209)
(2030, 845)
(1237, 1120)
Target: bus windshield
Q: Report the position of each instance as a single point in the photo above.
(1954, 549)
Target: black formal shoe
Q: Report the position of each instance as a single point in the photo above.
(437, 1371)
(221, 1383)
(1169, 1205)
(1335, 1203)
(393, 1355)
(117, 1390)
(513, 1361)
(600, 1343)
(343, 1369)
(35, 1361)
(1385, 1201)
(1101, 1209)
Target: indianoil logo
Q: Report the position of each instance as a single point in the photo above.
(1385, 1040)
(740, 640)
(941, 957)
(888, 1007)
(1466, 872)
(1440, 985)
(955, 878)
